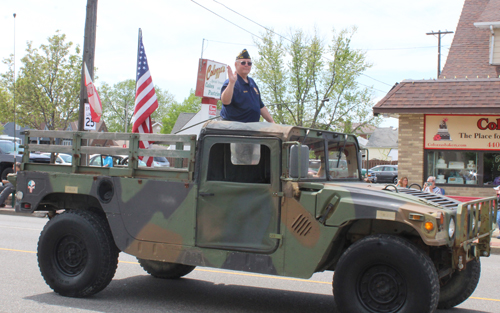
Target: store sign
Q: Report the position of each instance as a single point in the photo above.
(211, 77)
(462, 132)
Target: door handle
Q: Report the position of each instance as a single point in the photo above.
(206, 194)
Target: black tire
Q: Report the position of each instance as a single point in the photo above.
(395, 180)
(459, 286)
(384, 273)
(6, 171)
(77, 255)
(165, 269)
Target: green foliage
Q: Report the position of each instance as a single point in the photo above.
(295, 77)
(6, 104)
(118, 103)
(47, 87)
(191, 104)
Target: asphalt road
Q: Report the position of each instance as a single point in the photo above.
(22, 289)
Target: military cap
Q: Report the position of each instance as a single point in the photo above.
(243, 55)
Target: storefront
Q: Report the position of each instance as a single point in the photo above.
(450, 127)
(462, 150)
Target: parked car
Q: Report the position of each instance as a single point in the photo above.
(98, 160)
(161, 162)
(383, 174)
(10, 152)
(141, 162)
(62, 158)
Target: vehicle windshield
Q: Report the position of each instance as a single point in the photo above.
(341, 153)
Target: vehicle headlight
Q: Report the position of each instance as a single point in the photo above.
(451, 228)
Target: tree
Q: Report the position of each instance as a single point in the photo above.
(6, 104)
(191, 104)
(307, 83)
(118, 103)
(47, 87)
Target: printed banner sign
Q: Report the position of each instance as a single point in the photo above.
(211, 77)
(212, 110)
(88, 123)
(462, 132)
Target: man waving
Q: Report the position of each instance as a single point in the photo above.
(240, 95)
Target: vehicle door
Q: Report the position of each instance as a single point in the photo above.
(238, 204)
(387, 174)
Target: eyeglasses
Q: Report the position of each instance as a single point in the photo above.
(245, 63)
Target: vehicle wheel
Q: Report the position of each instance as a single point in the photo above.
(384, 273)
(77, 255)
(459, 286)
(395, 180)
(6, 171)
(165, 269)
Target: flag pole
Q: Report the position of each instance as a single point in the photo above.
(136, 74)
(138, 49)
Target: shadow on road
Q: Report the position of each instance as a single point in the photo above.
(147, 294)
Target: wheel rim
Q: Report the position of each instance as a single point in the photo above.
(382, 289)
(71, 255)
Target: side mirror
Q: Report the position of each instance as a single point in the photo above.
(299, 161)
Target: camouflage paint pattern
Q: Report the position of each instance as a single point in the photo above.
(284, 227)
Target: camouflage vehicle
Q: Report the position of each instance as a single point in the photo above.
(241, 198)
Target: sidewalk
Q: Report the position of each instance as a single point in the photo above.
(495, 243)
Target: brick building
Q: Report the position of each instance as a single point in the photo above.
(450, 127)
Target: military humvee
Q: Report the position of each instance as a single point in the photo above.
(241, 197)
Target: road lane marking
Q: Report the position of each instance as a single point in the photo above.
(488, 299)
(251, 275)
(265, 276)
(15, 250)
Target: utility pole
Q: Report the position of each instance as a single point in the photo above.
(439, 33)
(88, 56)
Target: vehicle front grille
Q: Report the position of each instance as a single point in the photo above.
(438, 200)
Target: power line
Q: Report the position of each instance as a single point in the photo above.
(274, 33)
(408, 48)
(252, 21)
(231, 43)
(226, 20)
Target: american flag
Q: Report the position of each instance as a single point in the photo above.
(145, 100)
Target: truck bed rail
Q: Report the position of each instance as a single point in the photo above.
(82, 144)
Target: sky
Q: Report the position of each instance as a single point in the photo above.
(392, 33)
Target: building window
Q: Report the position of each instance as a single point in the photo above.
(453, 167)
(472, 168)
(491, 169)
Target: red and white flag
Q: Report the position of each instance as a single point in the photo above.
(145, 100)
(94, 100)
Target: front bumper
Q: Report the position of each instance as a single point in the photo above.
(474, 228)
